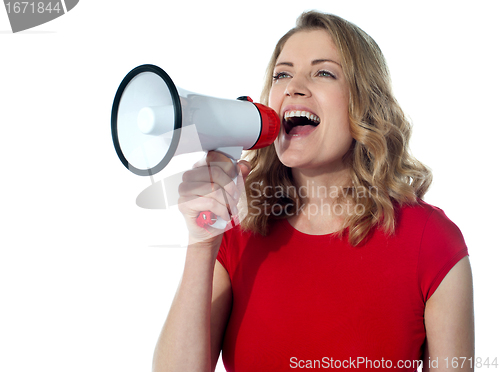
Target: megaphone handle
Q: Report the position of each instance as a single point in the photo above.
(207, 218)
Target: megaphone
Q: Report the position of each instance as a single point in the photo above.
(152, 121)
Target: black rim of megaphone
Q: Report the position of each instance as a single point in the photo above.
(177, 119)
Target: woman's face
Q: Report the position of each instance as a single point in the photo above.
(311, 95)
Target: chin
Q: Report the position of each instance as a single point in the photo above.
(294, 160)
(297, 160)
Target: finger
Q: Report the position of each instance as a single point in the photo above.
(214, 158)
(245, 168)
(203, 189)
(212, 175)
(191, 206)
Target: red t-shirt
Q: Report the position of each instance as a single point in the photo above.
(305, 301)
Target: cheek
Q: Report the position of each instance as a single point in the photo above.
(274, 99)
(337, 104)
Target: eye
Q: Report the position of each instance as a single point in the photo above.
(281, 75)
(324, 73)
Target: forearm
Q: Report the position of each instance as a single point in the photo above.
(184, 343)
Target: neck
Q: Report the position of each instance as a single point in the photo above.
(323, 196)
(316, 186)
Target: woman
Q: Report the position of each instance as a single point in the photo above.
(337, 263)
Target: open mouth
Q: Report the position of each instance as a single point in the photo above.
(297, 122)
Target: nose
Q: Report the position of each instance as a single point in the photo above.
(297, 86)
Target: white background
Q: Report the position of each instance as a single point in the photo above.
(86, 279)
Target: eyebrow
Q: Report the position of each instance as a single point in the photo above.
(314, 62)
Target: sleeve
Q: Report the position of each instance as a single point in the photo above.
(222, 255)
(441, 247)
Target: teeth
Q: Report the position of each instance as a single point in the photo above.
(306, 114)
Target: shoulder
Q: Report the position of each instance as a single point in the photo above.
(423, 217)
(240, 233)
(234, 241)
(430, 230)
(242, 246)
(236, 234)
(417, 211)
(439, 243)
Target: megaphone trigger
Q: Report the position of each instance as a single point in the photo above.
(206, 218)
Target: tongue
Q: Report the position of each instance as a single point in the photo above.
(302, 129)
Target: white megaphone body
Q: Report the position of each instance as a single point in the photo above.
(152, 121)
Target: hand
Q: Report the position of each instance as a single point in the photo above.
(209, 186)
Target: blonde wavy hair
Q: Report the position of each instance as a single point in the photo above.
(379, 157)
